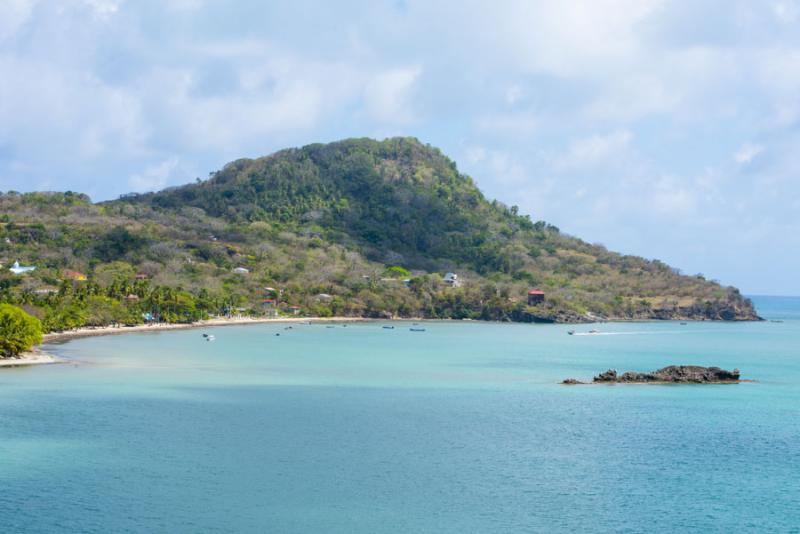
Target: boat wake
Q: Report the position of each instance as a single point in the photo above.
(641, 333)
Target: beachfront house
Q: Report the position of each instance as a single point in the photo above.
(535, 296)
(270, 307)
(20, 269)
(294, 310)
(451, 279)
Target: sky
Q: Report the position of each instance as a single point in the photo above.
(665, 129)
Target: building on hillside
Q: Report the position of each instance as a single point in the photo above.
(535, 296)
(241, 270)
(20, 269)
(270, 307)
(42, 291)
(132, 298)
(75, 275)
(324, 297)
(451, 279)
(294, 310)
(141, 276)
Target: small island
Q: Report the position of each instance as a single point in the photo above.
(673, 374)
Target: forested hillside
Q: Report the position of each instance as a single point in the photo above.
(358, 227)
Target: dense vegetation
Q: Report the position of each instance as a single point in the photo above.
(18, 331)
(358, 227)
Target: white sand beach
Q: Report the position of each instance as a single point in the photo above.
(220, 321)
(33, 357)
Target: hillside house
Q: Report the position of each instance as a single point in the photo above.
(241, 270)
(75, 275)
(19, 269)
(451, 279)
(535, 296)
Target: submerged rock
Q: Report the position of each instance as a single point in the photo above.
(571, 382)
(694, 374)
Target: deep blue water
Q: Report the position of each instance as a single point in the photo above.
(461, 428)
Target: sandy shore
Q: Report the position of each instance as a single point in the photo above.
(34, 357)
(111, 330)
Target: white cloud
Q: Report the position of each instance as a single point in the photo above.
(786, 11)
(103, 8)
(13, 15)
(747, 153)
(594, 149)
(387, 95)
(155, 177)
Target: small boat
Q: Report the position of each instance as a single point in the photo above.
(330, 326)
(571, 332)
(594, 332)
(417, 329)
(388, 327)
(683, 324)
(209, 337)
(288, 328)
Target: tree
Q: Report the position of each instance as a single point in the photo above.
(18, 330)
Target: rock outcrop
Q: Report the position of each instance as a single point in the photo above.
(693, 374)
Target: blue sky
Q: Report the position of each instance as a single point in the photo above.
(667, 129)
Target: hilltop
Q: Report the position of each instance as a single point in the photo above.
(357, 227)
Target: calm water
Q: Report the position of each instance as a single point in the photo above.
(461, 428)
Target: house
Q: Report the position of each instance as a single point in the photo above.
(75, 275)
(451, 279)
(241, 270)
(132, 298)
(535, 296)
(324, 297)
(19, 269)
(295, 310)
(141, 276)
(46, 291)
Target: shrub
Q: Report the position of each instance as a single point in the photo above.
(18, 330)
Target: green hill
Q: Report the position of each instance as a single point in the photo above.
(358, 227)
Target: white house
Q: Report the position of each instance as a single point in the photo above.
(18, 269)
(241, 270)
(451, 279)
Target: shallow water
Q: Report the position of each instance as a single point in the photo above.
(461, 428)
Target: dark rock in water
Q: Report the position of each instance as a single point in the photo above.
(674, 373)
(608, 376)
(571, 382)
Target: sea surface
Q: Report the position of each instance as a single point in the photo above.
(362, 429)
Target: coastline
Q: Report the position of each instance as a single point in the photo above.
(57, 337)
(88, 331)
(32, 357)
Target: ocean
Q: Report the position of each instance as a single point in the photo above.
(357, 428)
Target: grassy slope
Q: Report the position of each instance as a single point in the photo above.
(329, 219)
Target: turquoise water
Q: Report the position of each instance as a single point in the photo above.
(461, 428)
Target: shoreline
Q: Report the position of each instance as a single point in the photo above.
(31, 357)
(58, 337)
(89, 331)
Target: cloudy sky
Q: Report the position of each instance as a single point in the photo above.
(667, 129)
